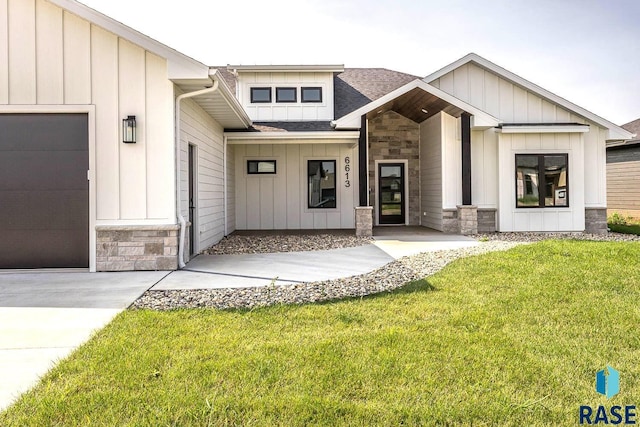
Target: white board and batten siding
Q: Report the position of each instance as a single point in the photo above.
(199, 129)
(279, 201)
(512, 103)
(297, 111)
(431, 172)
(53, 58)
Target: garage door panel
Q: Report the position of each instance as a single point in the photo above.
(41, 210)
(44, 192)
(43, 132)
(50, 170)
(44, 249)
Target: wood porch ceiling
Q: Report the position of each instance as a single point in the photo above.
(411, 104)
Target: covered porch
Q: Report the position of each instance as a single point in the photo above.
(415, 155)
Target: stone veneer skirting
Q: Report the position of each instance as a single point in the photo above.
(469, 220)
(595, 220)
(129, 248)
(364, 221)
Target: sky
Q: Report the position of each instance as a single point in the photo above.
(586, 51)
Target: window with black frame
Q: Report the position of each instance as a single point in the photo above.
(542, 180)
(321, 184)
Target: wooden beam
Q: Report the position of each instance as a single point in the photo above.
(363, 162)
(466, 158)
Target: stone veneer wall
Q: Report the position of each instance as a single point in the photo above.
(595, 220)
(394, 137)
(129, 248)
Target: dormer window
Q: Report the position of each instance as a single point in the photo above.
(286, 94)
(311, 94)
(260, 95)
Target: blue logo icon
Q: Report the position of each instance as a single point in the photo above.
(608, 382)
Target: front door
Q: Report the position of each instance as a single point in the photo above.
(391, 206)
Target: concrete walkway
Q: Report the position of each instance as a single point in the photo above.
(44, 316)
(249, 270)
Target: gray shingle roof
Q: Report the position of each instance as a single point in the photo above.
(291, 126)
(356, 87)
(228, 78)
(633, 127)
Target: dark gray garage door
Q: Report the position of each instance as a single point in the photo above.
(44, 192)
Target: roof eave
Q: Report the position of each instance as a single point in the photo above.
(230, 98)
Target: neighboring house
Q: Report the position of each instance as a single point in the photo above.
(469, 148)
(623, 174)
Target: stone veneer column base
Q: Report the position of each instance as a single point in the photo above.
(131, 248)
(487, 220)
(595, 220)
(468, 219)
(364, 221)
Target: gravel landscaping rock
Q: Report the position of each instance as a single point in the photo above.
(238, 244)
(538, 237)
(385, 279)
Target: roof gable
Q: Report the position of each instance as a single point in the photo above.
(614, 132)
(480, 119)
(180, 66)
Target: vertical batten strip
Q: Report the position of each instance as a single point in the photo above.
(4, 52)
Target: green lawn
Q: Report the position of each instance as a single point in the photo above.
(510, 338)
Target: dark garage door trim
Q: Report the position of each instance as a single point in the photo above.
(44, 191)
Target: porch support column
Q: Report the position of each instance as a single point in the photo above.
(467, 213)
(363, 179)
(363, 213)
(466, 158)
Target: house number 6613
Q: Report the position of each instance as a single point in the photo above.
(347, 169)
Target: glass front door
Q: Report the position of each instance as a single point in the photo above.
(391, 206)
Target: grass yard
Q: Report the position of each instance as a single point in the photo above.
(511, 338)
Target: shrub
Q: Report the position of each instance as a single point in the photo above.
(617, 219)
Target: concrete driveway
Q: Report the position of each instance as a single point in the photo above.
(44, 316)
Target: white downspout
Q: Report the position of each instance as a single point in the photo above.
(224, 178)
(181, 220)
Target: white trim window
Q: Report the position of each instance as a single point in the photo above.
(321, 183)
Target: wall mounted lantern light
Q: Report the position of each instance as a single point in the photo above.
(129, 130)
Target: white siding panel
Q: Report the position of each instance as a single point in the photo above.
(240, 196)
(104, 63)
(280, 197)
(231, 189)
(159, 140)
(295, 187)
(476, 86)
(49, 46)
(77, 60)
(451, 162)
(506, 101)
(491, 94)
(280, 201)
(22, 52)
(131, 77)
(4, 53)
(431, 172)
(520, 105)
(461, 82)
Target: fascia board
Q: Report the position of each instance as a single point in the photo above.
(293, 136)
(544, 129)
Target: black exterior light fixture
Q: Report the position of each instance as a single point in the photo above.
(129, 130)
